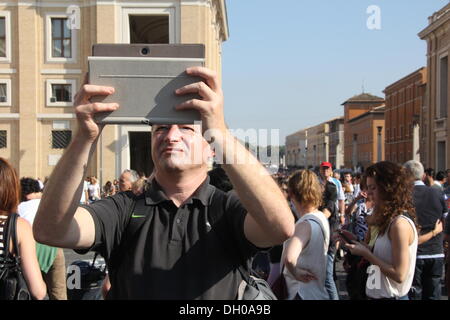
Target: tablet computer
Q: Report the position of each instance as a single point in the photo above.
(145, 77)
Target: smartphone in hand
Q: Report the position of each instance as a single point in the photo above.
(347, 236)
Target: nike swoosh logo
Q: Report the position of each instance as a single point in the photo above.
(137, 216)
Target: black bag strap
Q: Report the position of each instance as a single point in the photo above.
(217, 200)
(11, 233)
(115, 259)
(319, 224)
(16, 248)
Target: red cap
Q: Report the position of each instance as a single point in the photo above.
(326, 164)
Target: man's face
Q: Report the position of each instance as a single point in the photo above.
(348, 178)
(326, 172)
(179, 147)
(125, 183)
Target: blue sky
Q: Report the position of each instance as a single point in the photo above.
(289, 64)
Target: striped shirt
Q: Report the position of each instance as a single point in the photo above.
(3, 220)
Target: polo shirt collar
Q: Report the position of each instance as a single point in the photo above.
(155, 194)
(419, 183)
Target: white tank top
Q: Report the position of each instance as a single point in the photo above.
(313, 258)
(379, 285)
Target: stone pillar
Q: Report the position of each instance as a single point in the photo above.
(416, 142)
(355, 151)
(379, 144)
(28, 78)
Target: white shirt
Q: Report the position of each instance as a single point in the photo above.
(28, 209)
(378, 284)
(83, 194)
(340, 190)
(312, 258)
(94, 191)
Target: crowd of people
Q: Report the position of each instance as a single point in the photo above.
(128, 180)
(186, 233)
(394, 224)
(44, 266)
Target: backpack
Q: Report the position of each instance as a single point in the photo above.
(92, 277)
(12, 282)
(252, 287)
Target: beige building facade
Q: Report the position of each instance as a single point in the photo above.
(336, 141)
(308, 147)
(44, 47)
(318, 144)
(296, 145)
(435, 120)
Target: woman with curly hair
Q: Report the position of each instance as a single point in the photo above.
(305, 254)
(394, 253)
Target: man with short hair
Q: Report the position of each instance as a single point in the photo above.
(429, 177)
(357, 185)
(430, 210)
(182, 238)
(326, 172)
(126, 180)
(447, 182)
(348, 178)
(439, 181)
(51, 260)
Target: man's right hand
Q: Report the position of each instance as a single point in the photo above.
(85, 109)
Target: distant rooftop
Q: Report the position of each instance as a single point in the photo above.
(364, 97)
(377, 110)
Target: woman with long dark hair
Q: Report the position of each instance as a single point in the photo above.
(394, 252)
(9, 200)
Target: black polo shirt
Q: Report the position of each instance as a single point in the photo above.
(155, 250)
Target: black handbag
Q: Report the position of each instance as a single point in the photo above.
(12, 282)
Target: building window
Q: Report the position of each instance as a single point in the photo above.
(61, 40)
(441, 156)
(60, 93)
(149, 29)
(61, 139)
(149, 25)
(5, 92)
(3, 139)
(443, 88)
(5, 37)
(2, 37)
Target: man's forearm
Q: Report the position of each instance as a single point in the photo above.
(258, 192)
(63, 191)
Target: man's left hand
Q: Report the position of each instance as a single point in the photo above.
(210, 106)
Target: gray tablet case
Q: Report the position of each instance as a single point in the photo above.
(145, 77)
